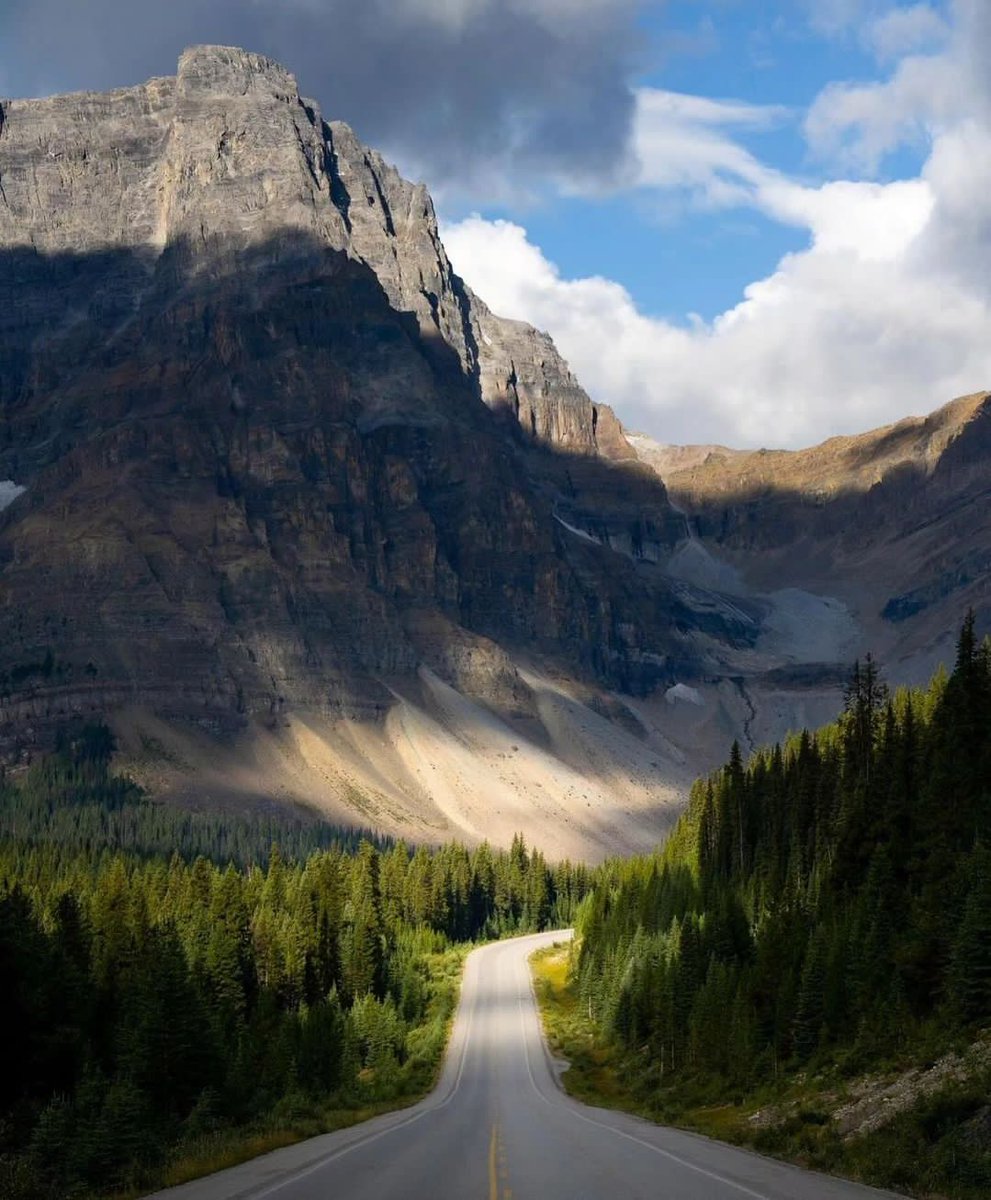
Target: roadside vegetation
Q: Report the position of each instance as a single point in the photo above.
(806, 966)
(166, 1017)
(802, 1117)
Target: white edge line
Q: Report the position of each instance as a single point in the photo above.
(303, 1173)
(684, 1162)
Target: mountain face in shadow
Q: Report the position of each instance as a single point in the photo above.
(894, 522)
(294, 510)
(280, 468)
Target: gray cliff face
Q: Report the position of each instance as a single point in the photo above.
(522, 374)
(271, 443)
(227, 154)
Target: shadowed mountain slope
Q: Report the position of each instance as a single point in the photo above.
(895, 523)
(293, 509)
(289, 484)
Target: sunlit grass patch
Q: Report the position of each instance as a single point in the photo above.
(593, 1074)
(223, 1150)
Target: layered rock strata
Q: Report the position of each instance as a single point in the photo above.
(270, 441)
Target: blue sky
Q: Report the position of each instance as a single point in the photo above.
(674, 259)
(802, 245)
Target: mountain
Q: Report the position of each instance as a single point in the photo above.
(296, 512)
(299, 512)
(894, 524)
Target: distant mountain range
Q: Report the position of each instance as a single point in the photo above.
(301, 517)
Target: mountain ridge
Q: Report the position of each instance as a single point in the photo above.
(281, 468)
(893, 521)
(862, 459)
(305, 520)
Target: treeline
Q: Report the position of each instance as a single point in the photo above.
(829, 899)
(148, 1003)
(72, 798)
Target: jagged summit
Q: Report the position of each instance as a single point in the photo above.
(277, 474)
(229, 150)
(230, 69)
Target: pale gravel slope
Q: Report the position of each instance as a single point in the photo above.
(439, 766)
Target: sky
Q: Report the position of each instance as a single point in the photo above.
(748, 222)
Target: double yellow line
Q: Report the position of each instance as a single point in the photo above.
(497, 1167)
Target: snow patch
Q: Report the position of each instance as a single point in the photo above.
(9, 491)
(681, 691)
(586, 537)
(692, 563)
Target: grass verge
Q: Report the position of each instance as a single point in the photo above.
(593, 1073)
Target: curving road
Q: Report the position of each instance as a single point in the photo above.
(498, 1127)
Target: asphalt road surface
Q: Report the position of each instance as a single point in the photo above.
(498, 1127)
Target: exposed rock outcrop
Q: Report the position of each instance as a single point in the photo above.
(227, 154)
(270, 472)
(280, 462)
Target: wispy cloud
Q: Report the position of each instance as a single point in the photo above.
(902, 31)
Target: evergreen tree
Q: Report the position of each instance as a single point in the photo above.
(969, 985)
(832, 893)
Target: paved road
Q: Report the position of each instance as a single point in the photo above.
(498, 1127)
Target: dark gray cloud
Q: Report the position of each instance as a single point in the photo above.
(463, 89)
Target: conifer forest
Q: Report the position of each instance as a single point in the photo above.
(828, 900)
(151, 1003)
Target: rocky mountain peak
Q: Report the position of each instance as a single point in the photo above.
(228, 152)
(228, 71)
(270, 471)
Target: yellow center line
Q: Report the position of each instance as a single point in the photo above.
(493, 1180)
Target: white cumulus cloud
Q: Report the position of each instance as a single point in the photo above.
(887, 310)
(858, 124)
(832, 342)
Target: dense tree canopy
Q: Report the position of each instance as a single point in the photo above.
(146, 1000)
(832, 893)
